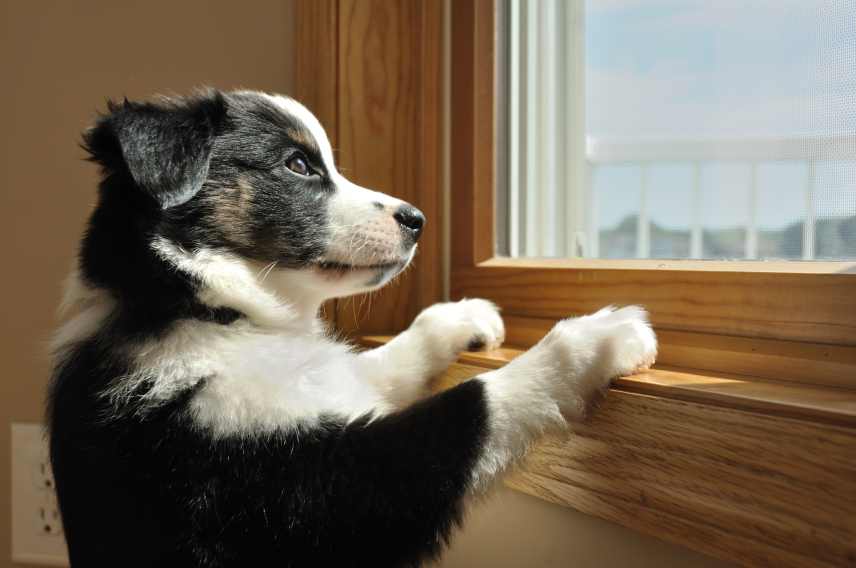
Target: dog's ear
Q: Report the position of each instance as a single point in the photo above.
(164, 147)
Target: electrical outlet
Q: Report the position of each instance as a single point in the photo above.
(37, 536)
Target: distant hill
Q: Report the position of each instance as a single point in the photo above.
(835, 238)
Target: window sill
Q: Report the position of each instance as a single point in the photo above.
(816, 403)
(754, 471)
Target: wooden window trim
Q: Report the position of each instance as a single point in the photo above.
(739, 444)
(812, 302)
(756, 359)
(755, 472)
(372, 73)
(815, 403)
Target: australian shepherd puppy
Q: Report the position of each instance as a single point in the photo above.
(199, 414)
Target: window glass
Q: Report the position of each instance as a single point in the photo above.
(678, 129)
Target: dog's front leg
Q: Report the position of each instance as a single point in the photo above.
(402, 367)
(557, 380)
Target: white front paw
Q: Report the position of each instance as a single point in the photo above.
(580, 356)
(471, 325)
(613, 342)
(630, 345)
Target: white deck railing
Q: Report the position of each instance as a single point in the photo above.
(547, 199)
(697, 153)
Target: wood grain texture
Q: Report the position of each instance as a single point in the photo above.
(818, 404)
(797, 307)
(473, 131)
(798, 301)
(317, 60)
(755, 489)
(761, 490)
(803, 362)
(390, 82)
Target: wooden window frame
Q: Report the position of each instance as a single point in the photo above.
(739, 444)
(750, 414)
(371, 71)
(763, 307)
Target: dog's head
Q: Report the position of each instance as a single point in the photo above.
(252, 175)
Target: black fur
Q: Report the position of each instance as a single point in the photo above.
(286, 218)
(154, 490)
(151, 488)
(164, 148)
(169, 168)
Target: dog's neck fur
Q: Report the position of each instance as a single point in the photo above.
(227, 280)
(157, 280)
(201, 284)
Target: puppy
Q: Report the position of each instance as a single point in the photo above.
(199, 413)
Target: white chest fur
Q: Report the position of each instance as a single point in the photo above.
(254, 380)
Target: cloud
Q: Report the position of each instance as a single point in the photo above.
(701, 68)
(668, 105)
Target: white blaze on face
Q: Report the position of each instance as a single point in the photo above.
(363, 230)
(300, 112)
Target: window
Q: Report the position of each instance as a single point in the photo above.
(740, 443)
(671, 129)
(673, 206)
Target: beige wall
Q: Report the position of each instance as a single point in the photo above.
(513, 530)
(60, 60)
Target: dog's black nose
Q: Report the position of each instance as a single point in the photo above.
(411, 219)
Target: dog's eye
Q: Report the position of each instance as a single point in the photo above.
(298, 165)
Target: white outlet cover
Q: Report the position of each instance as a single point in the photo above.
(30, 543)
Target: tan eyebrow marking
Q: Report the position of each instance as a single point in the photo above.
(231, 210)
(303, 137)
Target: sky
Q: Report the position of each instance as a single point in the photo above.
(722, 69)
